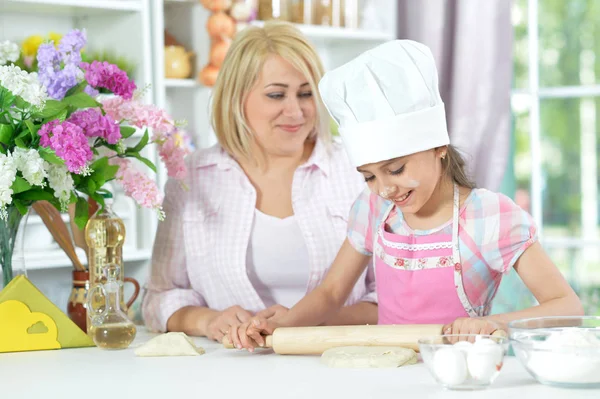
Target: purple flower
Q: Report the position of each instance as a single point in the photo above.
(68, 142)
(57, 81)
(70, 46)
(108, 76)
(94, 124)
(89, 90)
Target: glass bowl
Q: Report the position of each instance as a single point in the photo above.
(464, 361)
(559, 351)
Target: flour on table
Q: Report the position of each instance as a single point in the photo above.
(169, 344)
(368, 357)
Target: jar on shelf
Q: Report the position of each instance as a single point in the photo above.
(274, 9)
(351, 11)
(302, 11)
(329, 13)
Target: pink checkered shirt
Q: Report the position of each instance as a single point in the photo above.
(493, 233)
(199, 256)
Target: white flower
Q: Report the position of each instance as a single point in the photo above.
(8, 172)
(9, 51)
(61, 182)
(31, 166)
(23, 84)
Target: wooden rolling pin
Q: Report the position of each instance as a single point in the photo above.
(316, 340)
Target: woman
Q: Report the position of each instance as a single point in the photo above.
(261, 218)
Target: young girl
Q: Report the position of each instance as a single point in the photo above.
(440, 246)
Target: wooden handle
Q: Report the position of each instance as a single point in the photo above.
(57, 227)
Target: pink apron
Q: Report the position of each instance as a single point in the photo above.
(419, 279)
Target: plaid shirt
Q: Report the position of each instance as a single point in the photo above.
(199, 256)
(493, 233)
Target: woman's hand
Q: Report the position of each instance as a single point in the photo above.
(226, 321)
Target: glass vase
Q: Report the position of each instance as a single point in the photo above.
(12, 244)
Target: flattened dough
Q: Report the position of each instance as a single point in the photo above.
(368, 357)
(170, 344)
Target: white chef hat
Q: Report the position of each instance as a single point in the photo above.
(386, 102)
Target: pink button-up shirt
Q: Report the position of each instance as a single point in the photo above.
(199, 256)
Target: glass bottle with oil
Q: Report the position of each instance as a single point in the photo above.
(110, 328)
(105, 236)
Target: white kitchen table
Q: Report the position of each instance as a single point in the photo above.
(90, 373)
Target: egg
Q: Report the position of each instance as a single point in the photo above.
(484, 359)
(450, 366)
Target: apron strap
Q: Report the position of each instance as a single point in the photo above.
(458, 277)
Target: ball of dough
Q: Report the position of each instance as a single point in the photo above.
(368, 357)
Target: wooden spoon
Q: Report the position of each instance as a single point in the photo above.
(57, 227)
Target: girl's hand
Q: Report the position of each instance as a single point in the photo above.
(226, 321)
(250, 334)
(471, 325)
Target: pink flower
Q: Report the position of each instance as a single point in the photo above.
(94, 124)
(140, 115)
(108, 76)
(137, 185)
(173, 155)
(444, 261)
(400, 262)
(68, 142)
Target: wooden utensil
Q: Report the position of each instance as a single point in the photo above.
(316, 340)
(57, 227)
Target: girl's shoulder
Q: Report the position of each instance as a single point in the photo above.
(496, 213)
(484, 203)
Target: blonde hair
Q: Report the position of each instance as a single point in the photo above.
(239, 73)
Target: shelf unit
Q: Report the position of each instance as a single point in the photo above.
(186, 21)
(125, 27)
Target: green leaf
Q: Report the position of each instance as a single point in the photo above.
(99, 164)
(51, 109)
(23, 134)
(81, 213)
(20, 143)
(127, 131)
(146, 161)
(77, 89)
(7, 99)
(62, 115)
(21, 207)
(140, 146)
(49, 155)
(110, 172)
(32, 128)
(21, 104)
(20, 185)
(6, 132)
(81, 100)
(35, 195)
(91, 185)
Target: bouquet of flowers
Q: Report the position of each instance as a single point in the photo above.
(61, 143)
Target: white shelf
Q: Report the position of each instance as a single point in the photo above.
(71, 7)
(182, 83)
(327, 33)
(54, 259)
